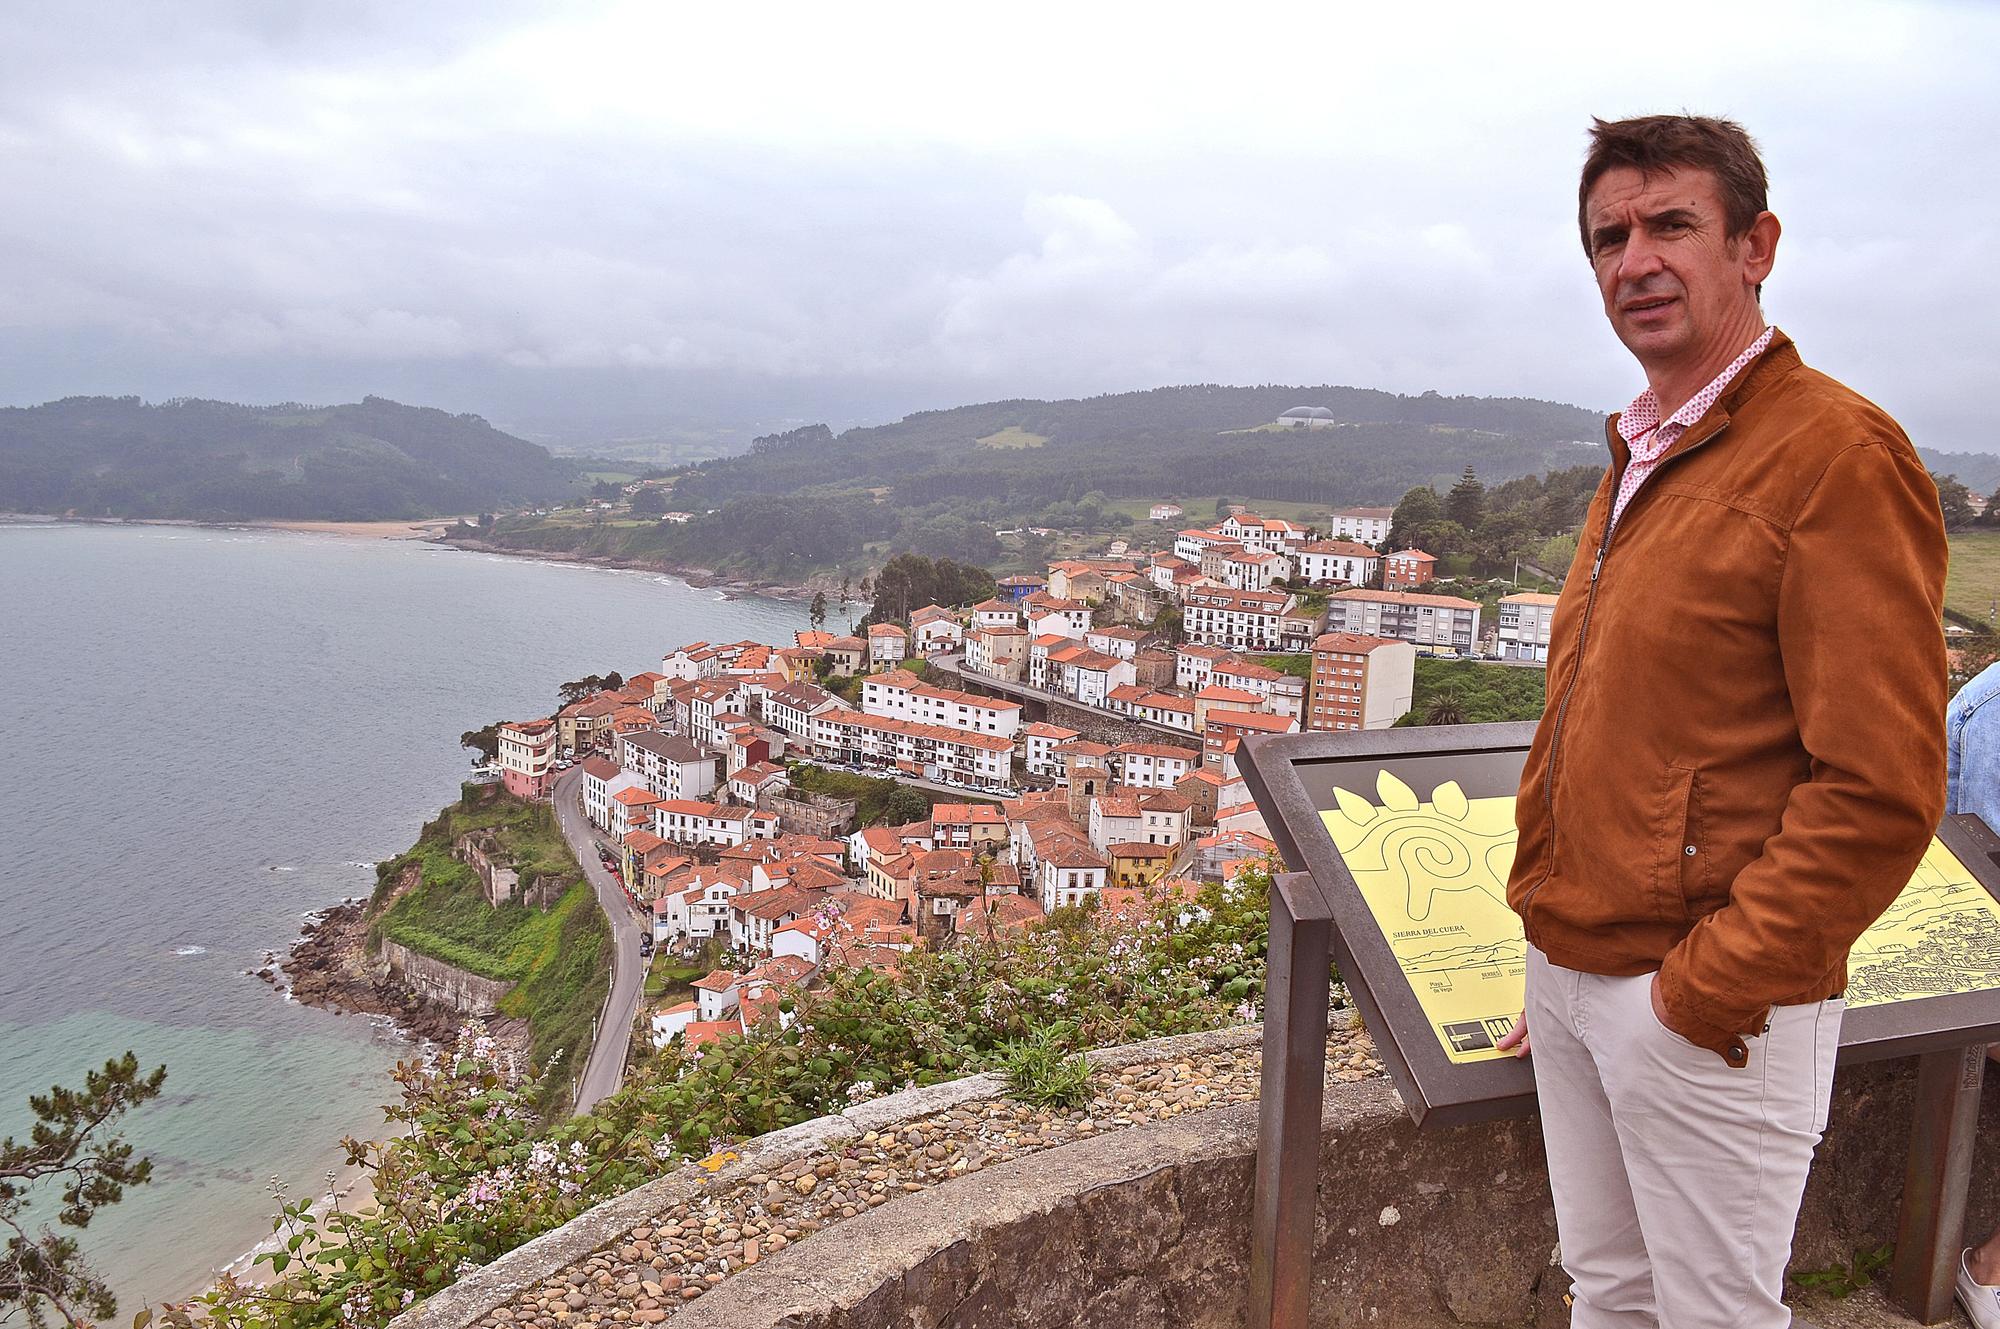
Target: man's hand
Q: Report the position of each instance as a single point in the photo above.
(1516, 1040)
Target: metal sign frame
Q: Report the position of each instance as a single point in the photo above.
(1293, 777)
(1319, 915)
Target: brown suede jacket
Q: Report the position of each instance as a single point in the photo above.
(1742, 756)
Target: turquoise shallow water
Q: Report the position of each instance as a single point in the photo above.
(214, 733)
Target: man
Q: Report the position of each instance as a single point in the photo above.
(1740, 762)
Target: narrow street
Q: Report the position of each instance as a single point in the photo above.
(605, 1068)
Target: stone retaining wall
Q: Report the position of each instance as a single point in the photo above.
(1149, 1225)
(446, 984)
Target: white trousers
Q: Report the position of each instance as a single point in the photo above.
(1677, 1178)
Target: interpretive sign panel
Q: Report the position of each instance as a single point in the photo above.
(1409, 835)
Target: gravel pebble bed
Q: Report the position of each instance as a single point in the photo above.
(672, 1259)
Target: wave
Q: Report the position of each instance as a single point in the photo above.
(357, 863)
(279, 867)
(190, 950)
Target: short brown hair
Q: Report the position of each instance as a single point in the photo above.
(1654, 143)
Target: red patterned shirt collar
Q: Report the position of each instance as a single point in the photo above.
(1642, 417)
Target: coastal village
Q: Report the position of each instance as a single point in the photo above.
(1075, 750)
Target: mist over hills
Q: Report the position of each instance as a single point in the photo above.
(999, 460)
(209, 460)
(1193, 440)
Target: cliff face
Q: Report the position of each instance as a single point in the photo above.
(445, 984)
(333, 968)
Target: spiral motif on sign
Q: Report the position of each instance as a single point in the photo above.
(1431, 848)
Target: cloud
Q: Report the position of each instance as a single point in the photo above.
(800, 209)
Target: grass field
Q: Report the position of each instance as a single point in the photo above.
(670, 980)
(1974, 581)
(870, 793)
(1013, 436)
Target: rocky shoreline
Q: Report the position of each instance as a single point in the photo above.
(330, 967)
(704, 578)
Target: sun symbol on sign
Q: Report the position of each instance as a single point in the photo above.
(1451, 843)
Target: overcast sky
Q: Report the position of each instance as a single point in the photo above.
(624, 219)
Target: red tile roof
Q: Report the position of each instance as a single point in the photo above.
(960, 814)
(708, 1031)
(1261, 721)
(1136, 850)
(1157, 750)
(1351, 643)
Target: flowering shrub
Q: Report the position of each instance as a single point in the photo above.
(1192, 962)
(476, 1173)
(473, 1175)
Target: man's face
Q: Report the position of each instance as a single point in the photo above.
(1674, 287)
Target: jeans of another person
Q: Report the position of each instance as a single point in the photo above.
(1677, 1178)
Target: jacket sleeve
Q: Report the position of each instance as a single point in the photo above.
(1860, 602)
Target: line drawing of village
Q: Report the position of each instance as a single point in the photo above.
(1434, 875)
(1941, 936)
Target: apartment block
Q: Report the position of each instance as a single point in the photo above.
(1525, 621)
(1438, 622)
(1359, 682)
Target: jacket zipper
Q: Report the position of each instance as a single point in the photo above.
(1612, 522)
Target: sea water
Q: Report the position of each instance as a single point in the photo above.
(213, 733)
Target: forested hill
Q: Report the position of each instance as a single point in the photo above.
(208, 460)
(1202, 439)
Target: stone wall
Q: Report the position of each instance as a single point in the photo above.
(802, 812)
(1149, 1226)
(446, 984)
(482, 852)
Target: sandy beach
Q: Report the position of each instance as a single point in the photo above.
(427, 529)
(351, 1188)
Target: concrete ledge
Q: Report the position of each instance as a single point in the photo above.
(488, 1288)
(1149, 1227)
(922, 1101)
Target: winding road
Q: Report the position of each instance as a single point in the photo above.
(605, 1067)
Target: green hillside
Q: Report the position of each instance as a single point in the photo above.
(1023, 455)
(555, 956)
(208, 460)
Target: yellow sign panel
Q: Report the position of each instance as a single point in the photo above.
(1435, 877)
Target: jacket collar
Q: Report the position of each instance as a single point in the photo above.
(1778, 359)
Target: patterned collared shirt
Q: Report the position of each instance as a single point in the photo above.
(1649, 436)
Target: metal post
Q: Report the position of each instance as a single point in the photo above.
(1285, 1201)
(1934, 1181)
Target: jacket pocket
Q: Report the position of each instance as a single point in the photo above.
(1680, 860)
